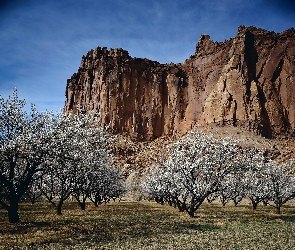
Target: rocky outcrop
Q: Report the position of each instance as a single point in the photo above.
(247, 81)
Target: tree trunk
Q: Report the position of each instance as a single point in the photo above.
(255, 204)
(181, 206)
(59, 206)
(13, 212)
(236, 201)
(82, 205)
(223, 201)
(192, 215)
(195, 204)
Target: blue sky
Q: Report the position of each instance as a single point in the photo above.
(42, 42)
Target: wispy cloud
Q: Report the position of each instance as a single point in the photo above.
(41, 42)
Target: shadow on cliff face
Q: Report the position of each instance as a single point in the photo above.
(265, 126)
(251, 59)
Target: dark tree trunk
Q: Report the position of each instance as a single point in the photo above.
(98, 200)
(192, 209)
(236, 201)
(195, 204)
(13, 212)
(223, 200)
(181, 206)
(192, 214)
(59, 206)
(254, 205)
(82, 204)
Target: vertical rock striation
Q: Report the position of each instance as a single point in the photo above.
(246, 81)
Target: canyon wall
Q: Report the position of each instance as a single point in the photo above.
(247, 81)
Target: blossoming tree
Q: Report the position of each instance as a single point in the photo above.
(24, 142)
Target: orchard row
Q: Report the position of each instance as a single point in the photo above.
(199, 168)
(57, 156)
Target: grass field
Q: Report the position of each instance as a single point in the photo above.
(147, 225)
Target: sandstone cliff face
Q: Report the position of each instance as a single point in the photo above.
(246, 81)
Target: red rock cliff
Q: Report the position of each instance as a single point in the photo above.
(246, 81)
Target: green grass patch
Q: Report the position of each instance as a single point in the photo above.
(147, 225)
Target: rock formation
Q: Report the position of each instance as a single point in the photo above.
(247, 81)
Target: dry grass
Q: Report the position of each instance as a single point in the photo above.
(147, 225)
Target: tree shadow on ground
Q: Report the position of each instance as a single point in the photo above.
(24, 227)
(133, 221)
